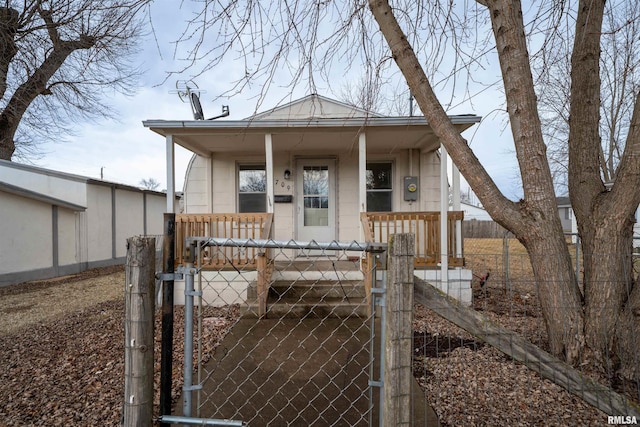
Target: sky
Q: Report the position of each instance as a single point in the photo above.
(124, 151)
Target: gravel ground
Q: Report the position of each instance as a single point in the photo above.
(61, 349)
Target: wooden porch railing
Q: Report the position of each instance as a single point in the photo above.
(378, 226)
(226, 225)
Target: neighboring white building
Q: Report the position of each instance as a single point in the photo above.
(53, 223)
(474, 212)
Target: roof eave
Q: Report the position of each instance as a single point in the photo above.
(30, 194)
(158, 125)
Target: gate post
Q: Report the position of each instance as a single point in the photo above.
(138, 332)
(189, 293)
(398, 375)
(166, 350)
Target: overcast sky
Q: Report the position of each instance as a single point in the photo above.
(126, 152)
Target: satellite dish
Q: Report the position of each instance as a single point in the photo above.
(196, 107)
(188, 91)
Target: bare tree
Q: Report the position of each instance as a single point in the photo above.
(442, 50)
(150, 184)
(57, 59)
(620, 47)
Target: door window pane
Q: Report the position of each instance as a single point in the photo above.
(252, 189)
(315, 187)
(379, 187)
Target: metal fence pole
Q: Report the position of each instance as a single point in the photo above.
(189, 293)
(383, 322)
(166, 350)
(506, 261)
(138, 331)
(398, 375)
(377, 301)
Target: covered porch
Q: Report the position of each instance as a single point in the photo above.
(317, 170)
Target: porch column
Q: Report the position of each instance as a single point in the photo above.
(268, 152)
(171, 174)
(455, 183)
(444, 208)
(362, 177)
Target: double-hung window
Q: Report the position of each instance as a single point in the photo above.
(379, 186)
(252, 188)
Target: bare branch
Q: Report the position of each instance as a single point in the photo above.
(53, 55)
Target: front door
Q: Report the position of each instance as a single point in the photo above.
(316, 200)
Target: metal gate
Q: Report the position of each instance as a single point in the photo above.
(281, 333)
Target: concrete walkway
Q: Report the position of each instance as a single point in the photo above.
(293, 372)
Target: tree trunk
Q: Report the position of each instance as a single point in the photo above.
(7, 133)
(557, 291)
(604, 211)
(612, 326)
(535, 220)
(628, 337)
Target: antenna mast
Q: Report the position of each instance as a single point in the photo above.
(188, 91)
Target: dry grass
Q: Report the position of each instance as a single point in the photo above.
(46, 300)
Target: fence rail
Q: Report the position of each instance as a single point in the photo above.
(228, 226)
(479, 229)
(378, 226)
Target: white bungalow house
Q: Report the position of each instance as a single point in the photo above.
(318, 169)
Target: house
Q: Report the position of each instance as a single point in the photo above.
(474, 212)
(570, 225)
(567, 219)
(322, 170)
(54, 223)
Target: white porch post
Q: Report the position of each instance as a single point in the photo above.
(444, 208)
(362, 177)
(455, 183)
(268, 151)
(171, 174)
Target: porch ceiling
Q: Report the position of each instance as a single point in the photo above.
(383, 134)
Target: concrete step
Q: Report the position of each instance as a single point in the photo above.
(296, 309)
(316, 275)
(311, 289)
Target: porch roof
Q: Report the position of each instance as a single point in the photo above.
(384, 134)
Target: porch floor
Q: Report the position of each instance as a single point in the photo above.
(323, 264)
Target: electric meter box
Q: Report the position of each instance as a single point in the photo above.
(410, 188)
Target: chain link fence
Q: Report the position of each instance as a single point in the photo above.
(295, 333)
(299, 341)
(474, 381)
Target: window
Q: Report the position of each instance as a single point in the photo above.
(315, 188)
(252, 188)
(567, 213)
(379, 187)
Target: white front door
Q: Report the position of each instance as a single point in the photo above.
(316, 200)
